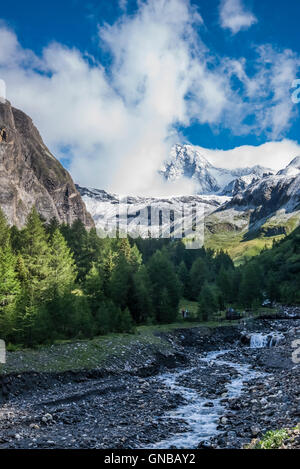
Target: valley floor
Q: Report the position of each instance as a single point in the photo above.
(172, 387)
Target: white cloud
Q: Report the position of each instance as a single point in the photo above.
(267, 93)
(123, 4)
(234, 16)
(118, 124)
(273, 155)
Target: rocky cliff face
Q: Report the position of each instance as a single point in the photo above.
(31, 176)
(266, 196)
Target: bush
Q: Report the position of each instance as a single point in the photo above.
(272, 440)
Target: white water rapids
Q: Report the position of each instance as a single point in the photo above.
(203, 421)
(260, 340)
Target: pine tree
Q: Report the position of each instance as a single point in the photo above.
(199, 275)
(22, 272)
(140, 301)
(77, 238)
(163, 277)
(125, 322)
(124, 249)
(224, 283)
(120, 282)
(207, 302)
(62, 273)
(104, 318)
(136, 259)
(272, 287)
(9, 283)
(37, 257)
(4, 230)
(223, 260)
(9, 290)
(93, 287)
(184, 277)
(16, 239)
(106, 266)
(70, 316)
(165, 313)
(250, 287)
(52, 226)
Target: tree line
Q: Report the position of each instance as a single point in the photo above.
(60, 282)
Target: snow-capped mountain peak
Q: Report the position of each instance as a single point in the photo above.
(295, 162)
(292, 169)
(245, 198)
(186, 161)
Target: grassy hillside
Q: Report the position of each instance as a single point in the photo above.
(237, 247)
(243, 244)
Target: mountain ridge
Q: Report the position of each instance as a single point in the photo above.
(31, 176)
(254, 211)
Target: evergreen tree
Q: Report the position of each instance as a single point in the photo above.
(105, 318)
(163, 278)
(52, 227)
(125, 322)
(4, 230)
(107, 266)
(93, 287)
(223, 261)
(9, 290)
(140, 301)
(21, 271)
(62, 273)
(199, 275)
(136, 259)
(16, 239)
(207, 302)
(184, 277)
(36, 254)
(77, 238)
(224, 283)
(10, 287)
(120, 282)
(165, 312)
(250, 288)
(272, 289)
(124, 249)
(96, 245)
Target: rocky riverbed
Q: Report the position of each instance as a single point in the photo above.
(208, 390)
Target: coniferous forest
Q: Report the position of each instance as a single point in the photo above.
(61, 281)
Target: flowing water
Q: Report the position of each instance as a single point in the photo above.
(260, 340)
(202, 420)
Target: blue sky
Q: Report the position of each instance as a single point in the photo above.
(136, 76)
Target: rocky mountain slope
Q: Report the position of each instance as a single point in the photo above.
(251, 202)
(145, 215)
(257, 208)
(31, 176)
(273, 199)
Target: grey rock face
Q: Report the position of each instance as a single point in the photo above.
(31, 176)
(270, 194)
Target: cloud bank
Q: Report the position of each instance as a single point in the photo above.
(234, 16)
(273, 155)
(117, 124)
